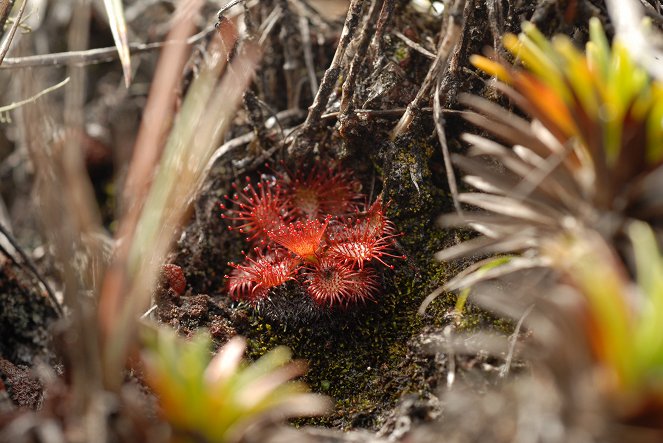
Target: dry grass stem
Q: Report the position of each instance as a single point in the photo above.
(331, 75)
(157, 205)
(118, 27)
(7, 38)
(15, 105)
(93, 56)
(448, 166)
(364, 40)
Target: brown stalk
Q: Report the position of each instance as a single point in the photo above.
(331, 75)
(5, 9)
(442, 136)
(358, 60)
(385, 15)
(157, 118)
(158, 199)
(7, 39)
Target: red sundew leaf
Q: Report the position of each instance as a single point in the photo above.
(300, 237)
(358, 246)
(321, 192)
(376, 223)
(252, 280)
(332, 283)
(370, 237)
(256, 211)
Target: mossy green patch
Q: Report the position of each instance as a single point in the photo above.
(360, 357)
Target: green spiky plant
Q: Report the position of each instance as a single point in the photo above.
(622, 319)
(571, 191)
(590, 157)
(217, 398)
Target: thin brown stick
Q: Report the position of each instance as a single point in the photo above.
(358, 60)
(385, 15)
(382, 113)
(414, 45)
(7, 40)
(305, 32)
(268, 24)
(496, 22)
(448, 166)
(331, 75)
(92, 56)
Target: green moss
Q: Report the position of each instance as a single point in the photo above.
(362, 357)
(401, 53)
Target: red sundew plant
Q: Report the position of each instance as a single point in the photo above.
(311, 231)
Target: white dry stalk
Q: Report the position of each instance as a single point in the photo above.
(118, 26)
(9, 37)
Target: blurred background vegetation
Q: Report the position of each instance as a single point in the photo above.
(517, 145)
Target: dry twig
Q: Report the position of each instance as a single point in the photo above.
(414, 45)
(358, 59)
(451, 37)
(331, 75)
(7, 40)
(448, 166)
(93, 56)
(305, 33)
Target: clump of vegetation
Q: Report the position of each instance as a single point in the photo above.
(623, 323)
(217, 399)
(568, 197)
(572, 196)
(589, 159)
(309, 228)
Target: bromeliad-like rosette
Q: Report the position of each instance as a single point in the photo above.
(589, 158)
